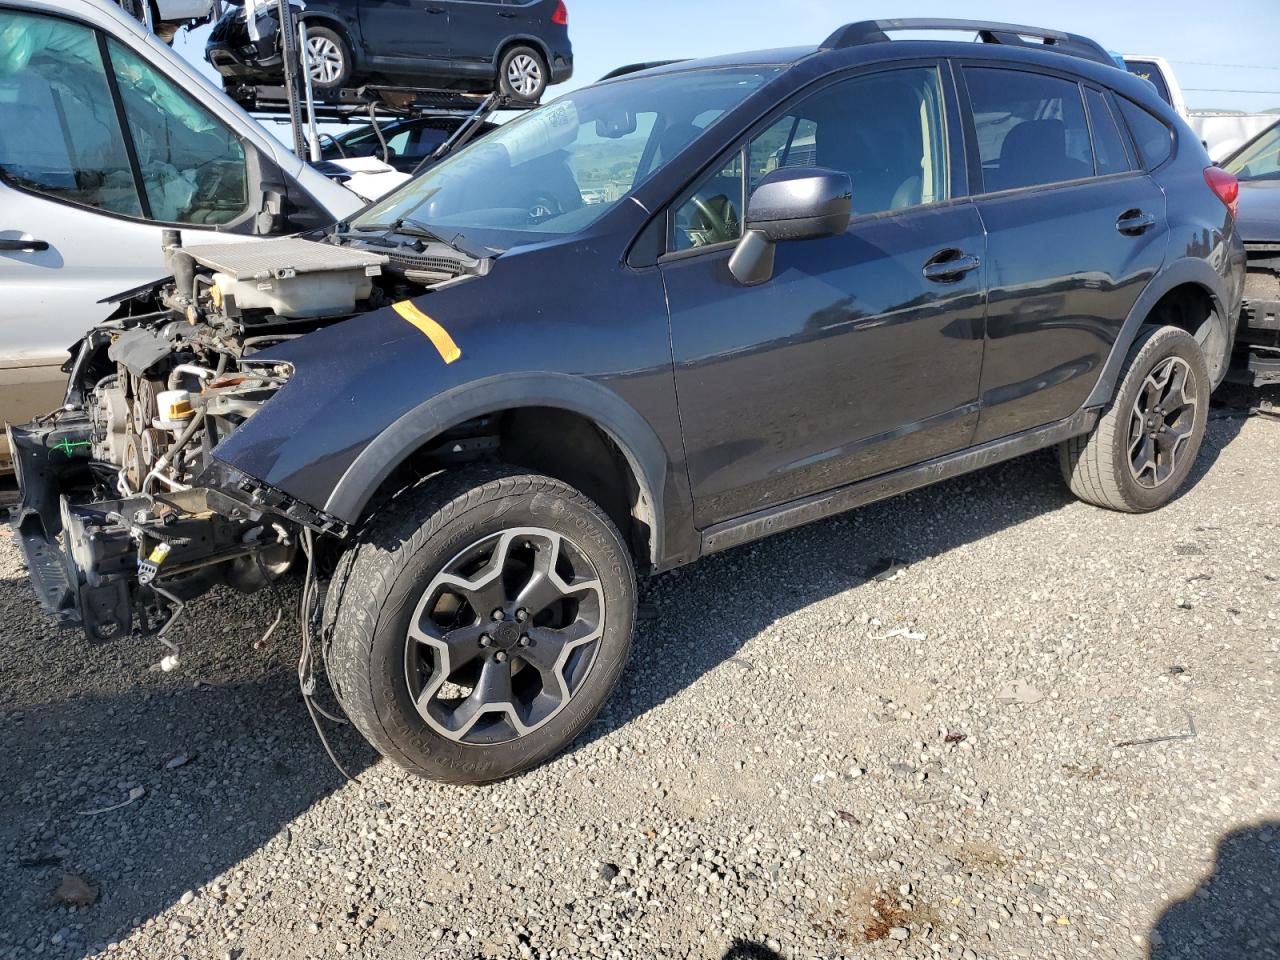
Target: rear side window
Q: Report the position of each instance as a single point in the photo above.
(1031, 128)
(59, 131)
(1154, 138)
(1108, 141)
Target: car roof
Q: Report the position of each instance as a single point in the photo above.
(819, 60)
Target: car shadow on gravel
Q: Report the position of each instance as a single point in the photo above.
(1227, 417)
(705, 613)
(702, 615)
(1235, 912)
(216, 771)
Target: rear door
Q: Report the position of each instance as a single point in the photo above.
(1075, 231)
(862, 354)
(476, 27)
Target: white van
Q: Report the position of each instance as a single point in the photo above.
(108, 138)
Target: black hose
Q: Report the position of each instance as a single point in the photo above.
(306, 671)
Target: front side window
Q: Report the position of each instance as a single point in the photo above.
(1260, 160)
(887, 131)
(712, 214)
(1031, 128)
(193, 167)
(368, 144)
(558, 169)
(59, 132)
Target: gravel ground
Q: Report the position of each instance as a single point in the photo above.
(1053, 734)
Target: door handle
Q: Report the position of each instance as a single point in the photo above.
(1134, 222)
(506, 15)
(435, 10)
(948, 266)
(24, 246)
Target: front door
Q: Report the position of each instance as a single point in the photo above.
(1075, 231)
(863, 353)
(405, 29)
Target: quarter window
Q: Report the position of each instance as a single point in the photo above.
(1108, 141)
(193, 168)
(1031, 128)
(712, 214)
(886, 130)
(1155, 139)
(59, 132)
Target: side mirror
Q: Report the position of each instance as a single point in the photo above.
(800, 203)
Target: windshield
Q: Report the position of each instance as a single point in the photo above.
(1260, 160)
(558, 169)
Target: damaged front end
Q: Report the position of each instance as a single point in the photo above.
(126, 512)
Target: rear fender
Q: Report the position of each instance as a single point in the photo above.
(1184, 271)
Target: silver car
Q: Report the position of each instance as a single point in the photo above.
(107, 139)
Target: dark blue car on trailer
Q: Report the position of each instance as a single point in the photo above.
(515, 47)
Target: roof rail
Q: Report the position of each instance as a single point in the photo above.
(1008, 34)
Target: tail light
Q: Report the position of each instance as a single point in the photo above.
(1225, 186)
(561, 17)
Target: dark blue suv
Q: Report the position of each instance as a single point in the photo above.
(516, 47)
(660, 317)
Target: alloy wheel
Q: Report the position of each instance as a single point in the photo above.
(524, 74)
(1162, 422)
(326, 59)
(504, 636)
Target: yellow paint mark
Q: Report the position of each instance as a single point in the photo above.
(437, 334)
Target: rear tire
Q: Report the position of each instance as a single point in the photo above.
(457, 693)
(1143, 447)
(523, 74)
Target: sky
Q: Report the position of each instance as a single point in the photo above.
(1218, 49)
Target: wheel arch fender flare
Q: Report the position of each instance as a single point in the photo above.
(630, 432)
(324, 18)
(1182, 272)
(348, 33)
(520, 40)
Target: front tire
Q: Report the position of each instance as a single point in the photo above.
(480, 622)
(1143, 447)
(330, 59)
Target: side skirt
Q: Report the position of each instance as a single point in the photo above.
(762, 523)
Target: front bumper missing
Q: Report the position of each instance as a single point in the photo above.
(86, 559)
